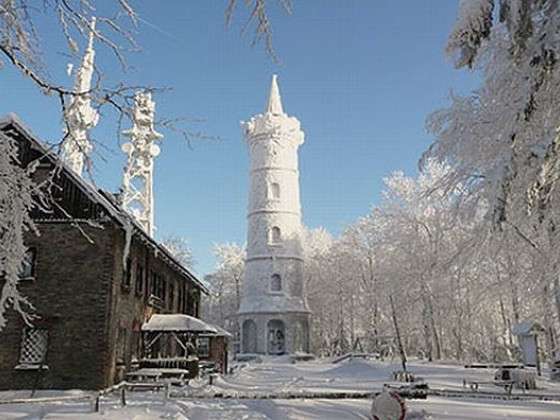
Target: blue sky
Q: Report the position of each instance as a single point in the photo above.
(360, 75)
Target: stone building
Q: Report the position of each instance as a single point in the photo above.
(273, 315)
(94, 276)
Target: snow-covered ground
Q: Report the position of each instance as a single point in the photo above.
(277, 376)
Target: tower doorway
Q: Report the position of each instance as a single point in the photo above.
(276, 337)
(249, 344)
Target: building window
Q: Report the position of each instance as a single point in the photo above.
(28, 264)
(147, 286)
(274, 235)
(154, 284)
(275, 191)
(34, 343)
(127, 275)
(180, 304)
(139, 279)
(185, 302)
(171, 304)
(203, 346)
(157, 291)
(162, 288)
(276, 283)
(122, 341)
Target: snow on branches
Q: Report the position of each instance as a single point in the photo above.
(180, 249)
(500, 139)
(17, 192)
(473, 25)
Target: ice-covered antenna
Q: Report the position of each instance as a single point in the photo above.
(80, 116)
(274, 105)
(137, 196)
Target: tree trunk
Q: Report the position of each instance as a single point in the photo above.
(547, 318)
(237, 292)
(556, 291)
(505, 328)
(426, 324)
(398, 334)
(434, 331)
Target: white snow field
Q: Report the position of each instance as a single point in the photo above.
(279, 377)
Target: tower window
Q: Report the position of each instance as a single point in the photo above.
(275, 283)
(275, 235)
(275, 191)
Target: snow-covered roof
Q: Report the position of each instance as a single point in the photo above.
(526, 328)
(220, 332)
(178, 322)
(102, 198)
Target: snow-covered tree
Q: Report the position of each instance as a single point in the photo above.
(502, 140)
(180, 249)
(18, 196)
(225, 285)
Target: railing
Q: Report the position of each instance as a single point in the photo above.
(122, 387)
(168, 362)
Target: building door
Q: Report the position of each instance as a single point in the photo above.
(276, 337)
(249, 336)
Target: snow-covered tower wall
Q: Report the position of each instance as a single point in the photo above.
(80, 117)
(138, 195)
(273, 315)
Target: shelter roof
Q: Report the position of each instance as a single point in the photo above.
(527, 328)
(178, 323)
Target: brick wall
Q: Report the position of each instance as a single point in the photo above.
(69, 292)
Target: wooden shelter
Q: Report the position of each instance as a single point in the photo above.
(527, 333)
(213, 349)
(170, 341)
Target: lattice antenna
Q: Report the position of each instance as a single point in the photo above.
(80, 116)
(137, 196)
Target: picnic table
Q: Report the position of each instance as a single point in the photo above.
(207, 367)
(159, 375)
(473, 385)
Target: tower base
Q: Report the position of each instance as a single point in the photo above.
(274, 333)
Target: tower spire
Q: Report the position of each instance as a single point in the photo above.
(138, 196)
(274, 105)
(80, 116)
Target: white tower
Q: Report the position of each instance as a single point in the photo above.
(80, 116)
(273, 315)
(137, 196)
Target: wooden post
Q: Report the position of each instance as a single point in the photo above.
(123, 396)
(537, 358)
